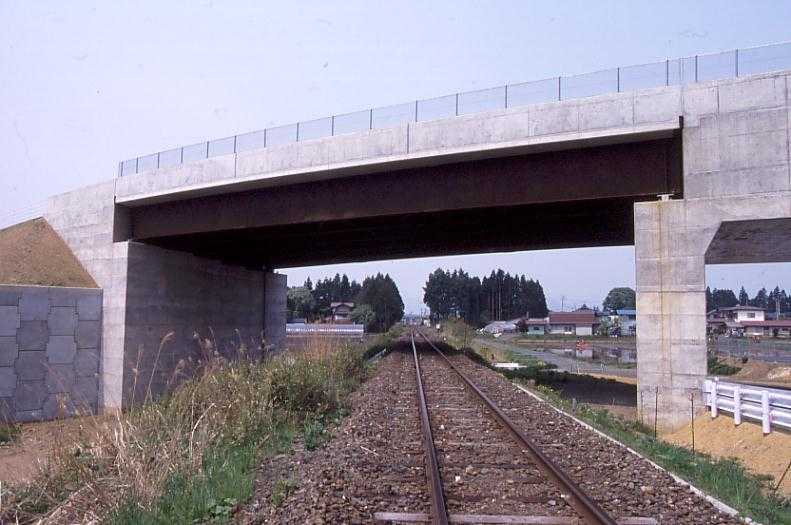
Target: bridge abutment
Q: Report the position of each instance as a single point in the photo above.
(164, 311)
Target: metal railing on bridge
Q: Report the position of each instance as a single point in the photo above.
(679, 71)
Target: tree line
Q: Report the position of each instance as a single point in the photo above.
(725, 298)
(480, 301)
(378, 303)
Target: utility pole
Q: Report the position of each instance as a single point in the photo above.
(777, 307)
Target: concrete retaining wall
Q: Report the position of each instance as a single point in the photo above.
(175, 300)
(49, 351)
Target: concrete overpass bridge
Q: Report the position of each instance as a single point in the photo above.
(689, 172)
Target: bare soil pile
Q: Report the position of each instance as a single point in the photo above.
(32, 253)
(755, 371)
(719, 437)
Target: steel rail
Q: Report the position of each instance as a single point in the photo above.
(439, 513)
(588, 509)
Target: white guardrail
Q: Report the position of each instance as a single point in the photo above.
(770, 406)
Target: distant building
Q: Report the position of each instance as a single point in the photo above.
(341, 312)
(747, 321)
(500, 327)
(627, 320)
(738, 313)
(772, 328)
(581, 322)
(535, 326)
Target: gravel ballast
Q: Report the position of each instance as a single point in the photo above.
(374, 461)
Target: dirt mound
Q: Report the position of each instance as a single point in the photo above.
(755, 371)
(719, 437)
(32, 253)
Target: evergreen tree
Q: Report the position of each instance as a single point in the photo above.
(498, 296)
(743, 297)
(723, 298)
(761, 299)
(381, 294)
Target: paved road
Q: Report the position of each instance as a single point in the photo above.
(563, 363)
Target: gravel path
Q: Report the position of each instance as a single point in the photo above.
(375, 461)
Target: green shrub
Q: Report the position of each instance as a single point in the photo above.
(718, 367)
(9, 433)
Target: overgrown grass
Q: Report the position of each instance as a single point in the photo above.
(191, 456)
(726, 479)
(9, 433)
(281, 490)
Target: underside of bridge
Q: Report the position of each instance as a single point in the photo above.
(562, 199)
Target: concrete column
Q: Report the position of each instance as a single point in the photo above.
(671, 312)
(275, 288)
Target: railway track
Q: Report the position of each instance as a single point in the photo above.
(480, 467)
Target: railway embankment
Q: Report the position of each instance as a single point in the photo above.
(374, 463)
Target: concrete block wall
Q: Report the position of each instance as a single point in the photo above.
(50, 348)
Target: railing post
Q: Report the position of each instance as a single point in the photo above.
(297, 132)
(696, 69)
(618, 80)
(766, 420)
(137, 164)
(559, 87)
(264, 137)
(207, 149)
(714, 399)
(157, 160)
(667, 72)
(506, 96)
(737, 405)
(181, 159)
(234, 144)
(457, 104)
(332, 126)
(371, 119)
(416, 111)
(736, 61)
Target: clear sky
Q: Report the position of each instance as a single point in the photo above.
(85, 85)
